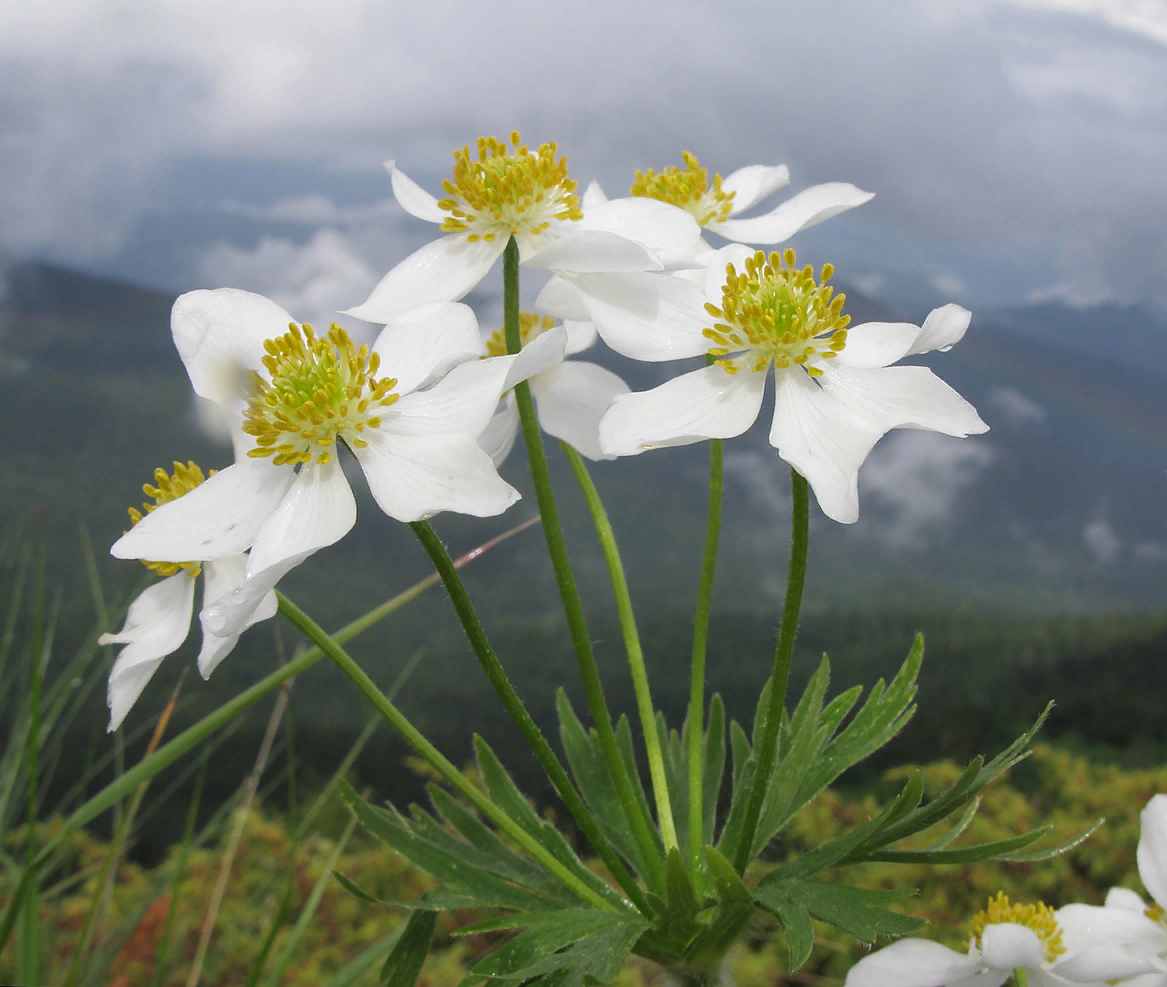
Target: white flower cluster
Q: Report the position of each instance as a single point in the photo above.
(427, 411)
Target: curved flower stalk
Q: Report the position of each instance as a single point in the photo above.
(1049, 946)
(570, 397)
(297, 396)
(507, 191)
(837, 393)
(158, 621)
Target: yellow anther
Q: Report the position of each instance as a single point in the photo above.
(308, 400)
(689, 189)
(1040, 918)
(168, 487)
(531, 324)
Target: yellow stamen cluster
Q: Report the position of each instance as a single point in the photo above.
(780, 313)
(320, 389)
(531, 324)
(688, 189)
(507, 190)
(168, 487)
(1040, 918)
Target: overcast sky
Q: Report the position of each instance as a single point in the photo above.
(1017, 149)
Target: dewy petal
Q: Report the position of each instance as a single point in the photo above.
(415, 477)
(581, 335)
(1126, 899)
(902, 397)
(876, 344)
(220, 335)
(571, 399)
(1152, 852)
(560, 300)
(703, 404)
(413, 198)
(157, 622)
(223, 577)
(670, 233)
(1006, 946)
(582, 251)
(498, 438)
(914, 963)
(943, 329)
(424, 344)
(593, 196)
(442, 271)
(646, 316)
(809, 207)
(218, 518)
(752, 184)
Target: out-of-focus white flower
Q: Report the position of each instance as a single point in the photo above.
(1005, 937)
(158, 621)
(836, 392)
(570, 397)
(414, 433)
(509, 190)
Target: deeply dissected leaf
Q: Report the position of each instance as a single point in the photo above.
(403, 964)
(856, 911)
(714, 766)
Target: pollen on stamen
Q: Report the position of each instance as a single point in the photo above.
(169, 487)
(688, 189)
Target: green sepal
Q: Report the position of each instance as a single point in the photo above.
(403, 964)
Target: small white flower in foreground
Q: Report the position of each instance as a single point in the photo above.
(570, 397)
(836, 393)
(715, 204)
(1005, 937)
(511, 190)
(410, 420)
(158, 621)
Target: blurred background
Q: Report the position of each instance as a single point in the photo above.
(1016, 151)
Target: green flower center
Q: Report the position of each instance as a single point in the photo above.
(168, 487)
(508, 189)
(321, 389)
(1040, 918)
(780, 313)
(531, 324)
(688, 189)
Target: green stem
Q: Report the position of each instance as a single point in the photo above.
(656, 763)
(413, 736)
(569, 594)
(518, 712)
(696, 723)
(764, 755)
(1021, 976)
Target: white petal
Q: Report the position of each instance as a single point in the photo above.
(1088, 925)
(876, 344)
(902, 397)
(413, 198)
(221, 577)
(422, 345)
(1108, 962)
(588, 251)
(943, 329)
(572, 398)
(1152, 852)
(593, 196)
(559, 299)
(754, 183)
(703, 404)
(911, 963)
(441, 271)
(157, 622)
(1126, 899)
(415, 477)
(670, 233)
(498, 438)
(220, 335)
(581, 335)
(809, 207)
(1007, 946)
(543, 352)
(646, 316)
(220, 517)
(318, 510)
(716, 269)
(253, 600)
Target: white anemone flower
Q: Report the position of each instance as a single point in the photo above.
(158, 621)
(570, 397)
(836, 393)
(414, 434)
(510, 190)
(1005, 937)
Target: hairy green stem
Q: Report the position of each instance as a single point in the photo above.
(656, 763)
(569, 594)
(795, 580)
(695, 729)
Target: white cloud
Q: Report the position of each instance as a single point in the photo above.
(1153, 552)
(950, 284)
(1016, 407)
(314, 210)
(1102, 541)
(764, 476)
(920, 477)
